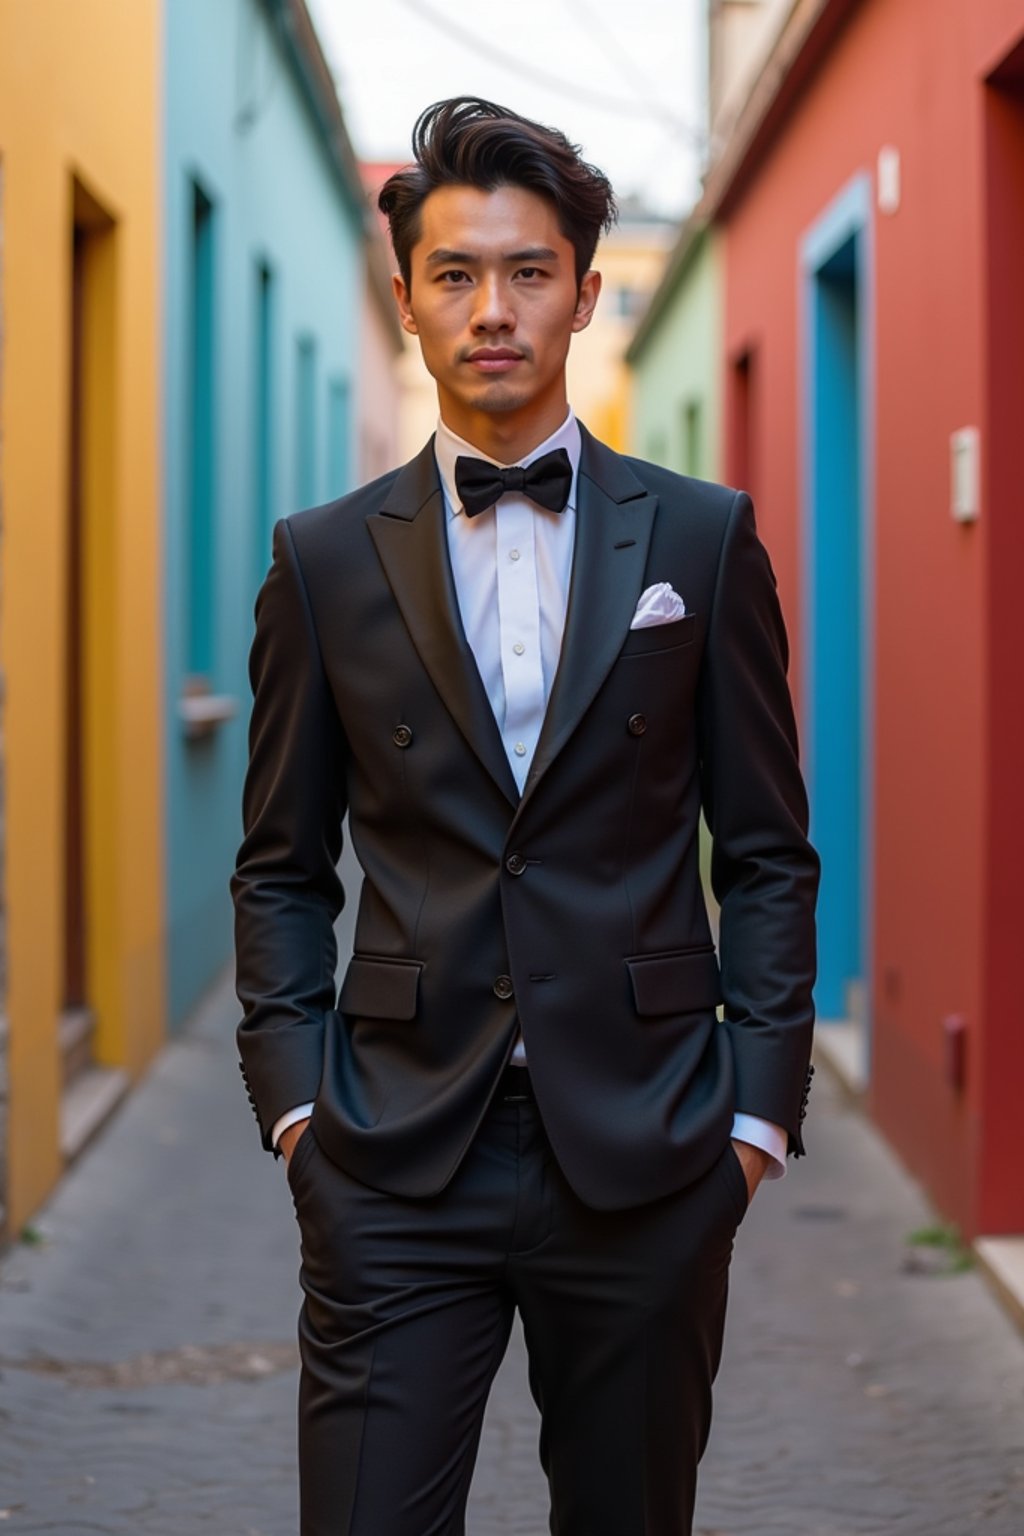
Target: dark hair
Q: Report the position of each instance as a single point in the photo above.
(469, 142)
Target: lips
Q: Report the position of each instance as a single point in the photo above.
(496, 360)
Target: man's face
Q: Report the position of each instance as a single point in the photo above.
(494, 303)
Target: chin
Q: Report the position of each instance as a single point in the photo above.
(498, 398)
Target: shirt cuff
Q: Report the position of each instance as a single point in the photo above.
(290, 1117)
(769, 1137)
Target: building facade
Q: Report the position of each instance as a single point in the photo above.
(674, 357)
(82, 969)
(267, 235)
(630, 259)
(868, 205)
(379, 400)
(4, 1032)
(417, 392)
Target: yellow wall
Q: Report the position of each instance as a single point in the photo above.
(631, 256)
(79, 98)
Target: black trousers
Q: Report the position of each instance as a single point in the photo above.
(406, 1312)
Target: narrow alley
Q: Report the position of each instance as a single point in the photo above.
(148, 1370)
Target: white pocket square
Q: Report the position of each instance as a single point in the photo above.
(660, 604)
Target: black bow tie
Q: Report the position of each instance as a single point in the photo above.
(547, 481)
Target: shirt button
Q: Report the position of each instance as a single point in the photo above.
(503, 987)
(401, 736)
(515, 864)
(519, 749)
(519, 647)
(513, 554)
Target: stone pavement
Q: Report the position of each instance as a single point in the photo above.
(147, 1357)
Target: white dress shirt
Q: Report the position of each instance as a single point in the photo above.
(511, 567)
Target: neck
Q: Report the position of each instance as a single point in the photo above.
(505, 436)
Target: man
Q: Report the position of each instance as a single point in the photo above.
(522, 664)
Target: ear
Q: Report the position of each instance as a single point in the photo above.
(590, 287)
(405, 314)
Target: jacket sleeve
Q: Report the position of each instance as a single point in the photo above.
(285, 887)
(764, 872)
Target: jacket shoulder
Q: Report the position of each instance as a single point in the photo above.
(683, 492)
(311, 525)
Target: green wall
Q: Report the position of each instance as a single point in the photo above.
(677, 367)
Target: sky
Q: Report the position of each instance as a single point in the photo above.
(622, 78)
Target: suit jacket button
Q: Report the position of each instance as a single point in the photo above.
(515, 864)
(636, 725)
(503, 987)
(401, 736)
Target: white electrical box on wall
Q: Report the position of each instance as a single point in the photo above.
(888, 179)
(965, 474)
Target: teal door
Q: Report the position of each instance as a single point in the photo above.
(836, 570)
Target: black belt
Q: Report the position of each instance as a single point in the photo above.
(514, 1085)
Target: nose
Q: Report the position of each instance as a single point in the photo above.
(493, 311)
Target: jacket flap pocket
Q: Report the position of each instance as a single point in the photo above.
(380, 989)
(675, 983)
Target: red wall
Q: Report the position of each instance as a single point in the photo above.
(910, 75)
(1002, 1059)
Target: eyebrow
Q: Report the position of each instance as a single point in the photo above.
(444, 257)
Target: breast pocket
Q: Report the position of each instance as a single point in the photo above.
(660, 637)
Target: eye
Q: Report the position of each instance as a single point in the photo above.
(454, 278)
(530, 272)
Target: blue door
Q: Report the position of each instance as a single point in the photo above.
(838, 716)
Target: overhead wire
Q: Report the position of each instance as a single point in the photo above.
(643, 88)
(527, 71)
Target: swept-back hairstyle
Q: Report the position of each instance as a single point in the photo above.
(466, 141)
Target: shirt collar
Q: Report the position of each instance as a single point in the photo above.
(448, 446)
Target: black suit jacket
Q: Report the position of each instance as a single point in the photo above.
(575, 911)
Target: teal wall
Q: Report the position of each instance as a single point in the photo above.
(263, 282)
(676, 401)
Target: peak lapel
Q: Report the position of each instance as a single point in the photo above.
(614, 518)
(409, 534)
